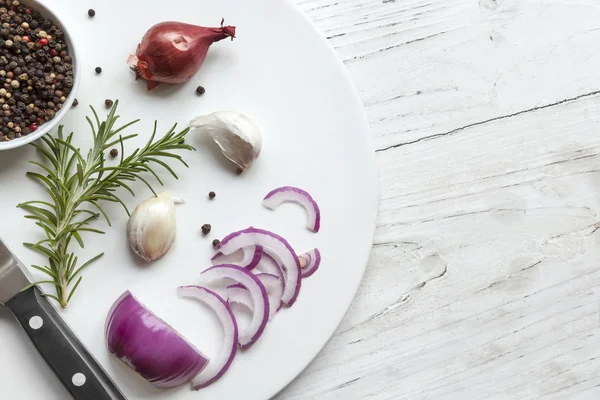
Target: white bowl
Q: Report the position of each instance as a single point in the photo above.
(49, 125)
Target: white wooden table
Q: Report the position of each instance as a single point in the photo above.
(484, 281)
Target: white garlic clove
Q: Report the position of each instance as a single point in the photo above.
(237, 136)
(151, 229)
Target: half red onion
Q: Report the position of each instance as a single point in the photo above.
(310, 262)
(295, 195)
(150, 346)
(275, 246)
(248, 257)
(218, 366)
(258, 293)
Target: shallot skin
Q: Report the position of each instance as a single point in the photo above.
(172, 52)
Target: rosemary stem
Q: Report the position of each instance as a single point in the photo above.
(72, 180)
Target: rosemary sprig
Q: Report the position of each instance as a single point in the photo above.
(75, 182)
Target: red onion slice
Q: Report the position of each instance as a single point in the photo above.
(275, 246)
(295, 195)
(275, 287)
(310, 262)
(268, 265)
(258, 293)
(248, 257)
(218, 366)
(149, 345)
(239, 294)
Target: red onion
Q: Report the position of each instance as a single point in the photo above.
(273, 245)
(173, 52)
(248, 257)
(260, 299)
(296, 195)
(149, 346)
(310, 262)
(218, 366)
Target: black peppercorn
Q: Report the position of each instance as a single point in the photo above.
(108, 103)
(36, 71)
(200, 90)
(212, 195)
(98, 70)
(75, 103)
(216, 242)
(91, 12)
(206, 229)
(114, 153)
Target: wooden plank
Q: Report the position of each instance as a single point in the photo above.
(484, 277)
(432, 66)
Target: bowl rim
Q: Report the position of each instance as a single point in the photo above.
(49, 125)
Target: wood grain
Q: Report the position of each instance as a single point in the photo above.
(484, 281)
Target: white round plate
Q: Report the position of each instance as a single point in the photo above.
(283, 74)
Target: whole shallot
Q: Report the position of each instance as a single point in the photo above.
(173, 52)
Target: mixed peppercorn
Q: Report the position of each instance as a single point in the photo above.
(36, 70)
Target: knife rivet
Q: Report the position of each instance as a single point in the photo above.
(36, 322)
(78, 379)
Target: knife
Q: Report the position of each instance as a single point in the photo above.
(77, 369)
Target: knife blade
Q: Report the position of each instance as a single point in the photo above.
(72, 363)
(12, 277)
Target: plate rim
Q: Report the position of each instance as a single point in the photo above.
(374, 175)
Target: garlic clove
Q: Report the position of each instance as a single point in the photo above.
(237, 136)
(151, 229)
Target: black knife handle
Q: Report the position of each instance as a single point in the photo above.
(77, 369)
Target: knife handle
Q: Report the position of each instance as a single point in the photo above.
(77, 369)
